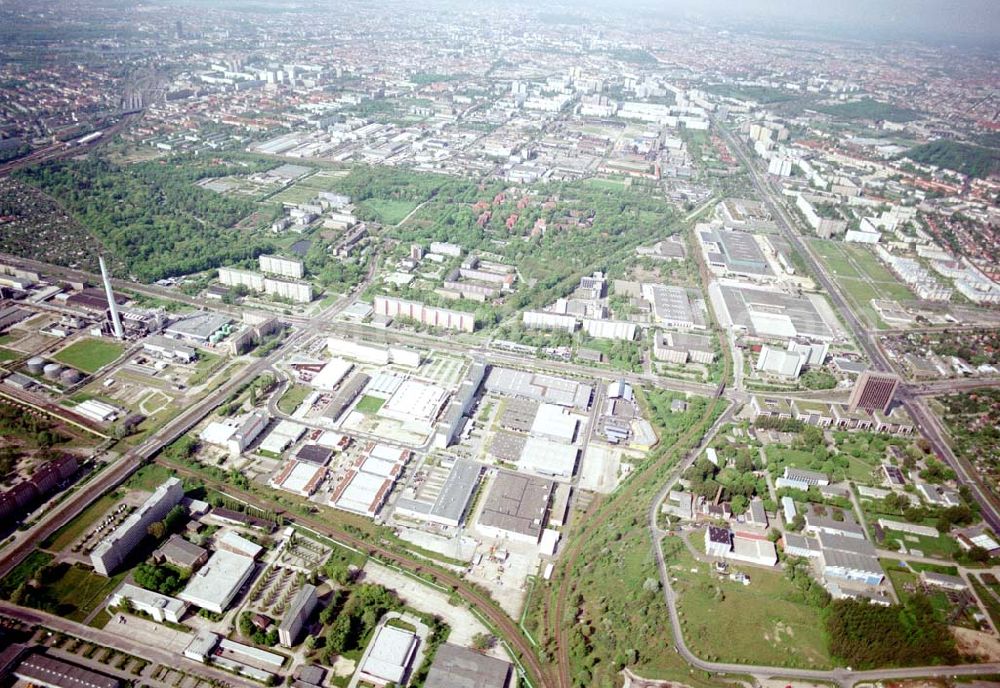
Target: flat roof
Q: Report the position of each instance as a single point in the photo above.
(544, 456)
(538, 387)
(150, 598)
(218, 581)
(738, 251)
(363, 493)
(774, 314)
(390, 653)
(556, 422)
(460, 667)
(517, 503)
(852, 561)
(199, 325)
(46, 670)
(302, 478)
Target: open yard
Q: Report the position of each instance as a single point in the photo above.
(389, 212)
(295, 395)
(766, 622)
(68, 534)
(860, 273)
(90, 355)
(75, 591)
(369, 404)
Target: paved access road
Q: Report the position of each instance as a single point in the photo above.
(171, 660)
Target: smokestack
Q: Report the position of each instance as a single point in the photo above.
(115, 320)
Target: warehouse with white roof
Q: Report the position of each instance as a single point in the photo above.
(215, 585)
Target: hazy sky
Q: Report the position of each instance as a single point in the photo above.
(945, 19)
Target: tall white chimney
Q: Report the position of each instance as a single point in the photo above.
(115, 320)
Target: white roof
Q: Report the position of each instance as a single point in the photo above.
(548, 458)
(362, 493)
(236, 541)
(377, 466)
(302, 474)
(289, 429)
(555, 422)
(217, 582)
(330, 439)
(387, 452)
(390, 653)
(331, 374)
(550, 538)
(217, 433)
(415, 400)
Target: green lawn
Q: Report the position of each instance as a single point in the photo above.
(205, 366)
(389, 212)
(906, 584)
(67, 535)
(765, 622)
(6, 338)
(78, 591)
(23, 572)
(292, 398)
(369, 404)
(606, 184)
(149, 477)
(90, 355)
(942, 546)
(8, 354)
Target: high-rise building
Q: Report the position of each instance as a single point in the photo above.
(873, 391)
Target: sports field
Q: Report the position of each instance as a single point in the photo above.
(90, 355)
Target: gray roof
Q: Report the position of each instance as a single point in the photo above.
(848, 525)
(846, 544)
(459, 667)
(801, 542)
(851, 561)
(517, 503)
(740, 302)
(199, 325)
(49, 671)
(179, 550)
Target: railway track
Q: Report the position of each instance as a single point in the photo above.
(536, 673)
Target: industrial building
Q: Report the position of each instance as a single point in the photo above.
(538, 387)
(516, 507)
(683, 347)
(459, 667)
(388, 657)
(170, 349)
(771, 314)
(610, 329)
(160, 607)
(299, 477)
(445, 505)
(298, 613)
(200, 327)
(427, 315)
(556, 423)
(235, 434)
(545, 457)
(112, 551)
(216, 584)
(733, 253)
(42, 670)
(780, 362)
(674, 307)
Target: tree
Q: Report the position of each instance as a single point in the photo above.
(482, 641)
(156, 530)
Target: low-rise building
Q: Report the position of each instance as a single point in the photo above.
(160, 607)
(217, 583)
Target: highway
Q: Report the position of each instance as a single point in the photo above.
(913, 403)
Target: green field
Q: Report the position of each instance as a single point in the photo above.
(23, 572)
(67, 535)
(389, 212)
(765, 622)
(90, 355)
(76, 591)
(606, 184)
(8, 354)
(149, 477)
(942, 546)
(291, 399)
(861, 275)
(369, 404)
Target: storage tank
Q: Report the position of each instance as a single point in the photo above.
(51, 371)
(70, 376)
(36, 365)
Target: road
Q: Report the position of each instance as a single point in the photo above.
(170, 660)
(914, 405)
(843, 677)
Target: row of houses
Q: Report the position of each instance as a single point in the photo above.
(837, 416)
